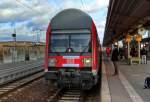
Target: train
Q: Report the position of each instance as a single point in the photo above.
(73, 50)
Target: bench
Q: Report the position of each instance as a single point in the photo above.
(134, 60)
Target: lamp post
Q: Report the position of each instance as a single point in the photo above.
(128, 40)
(138, 39)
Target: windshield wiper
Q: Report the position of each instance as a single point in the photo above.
(84, 50)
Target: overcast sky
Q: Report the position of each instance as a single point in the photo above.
(28, 16)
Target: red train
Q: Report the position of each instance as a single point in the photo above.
(73, 51)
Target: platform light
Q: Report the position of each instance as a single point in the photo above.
(142, 45)
(138, 38)
(116, 43)
(128, 38)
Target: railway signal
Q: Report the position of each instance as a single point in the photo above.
(14, 53)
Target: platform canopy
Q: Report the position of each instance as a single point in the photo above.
(125, 17)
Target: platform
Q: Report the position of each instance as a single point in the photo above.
(128, 86)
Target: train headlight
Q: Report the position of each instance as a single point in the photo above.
(52, 62)
(87, 62)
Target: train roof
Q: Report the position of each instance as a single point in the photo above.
(71, 19)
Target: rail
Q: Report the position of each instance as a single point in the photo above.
(10, 87)
(67, 95)
(10, 74)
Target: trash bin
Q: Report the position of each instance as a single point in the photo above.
(27, 58)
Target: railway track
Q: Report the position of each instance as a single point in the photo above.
(74, 95)
(13, 86)
(9, 72)
(67, 95)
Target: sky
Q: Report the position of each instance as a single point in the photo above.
(30, 18)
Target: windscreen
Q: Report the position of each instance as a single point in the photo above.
(76, 42)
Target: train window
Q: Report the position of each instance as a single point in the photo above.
(77, 42)
(59, 43)
(80, 42)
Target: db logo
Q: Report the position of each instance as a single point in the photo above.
(70, 61)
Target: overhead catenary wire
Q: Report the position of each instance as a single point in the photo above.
(56, 9)
(84, 6)
(27, 6)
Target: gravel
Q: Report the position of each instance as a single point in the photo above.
(37, 91)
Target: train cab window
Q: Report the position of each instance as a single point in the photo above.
(80, 42)
(59, 43)
(76, 42)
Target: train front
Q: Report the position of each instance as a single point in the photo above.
(69, 55)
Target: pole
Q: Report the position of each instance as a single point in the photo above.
(14, 47)
(149, 33)
(128, 50)
(138, 49)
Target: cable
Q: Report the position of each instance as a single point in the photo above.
(82, 4)
(24, 5)
(48, 3)
(27, 6)
(85, 4)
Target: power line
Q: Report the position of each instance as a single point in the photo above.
(55, 9)
(48, 3)
(53, 12)
(27, 6)
(82, 4)
(24, 5)
(85, 4)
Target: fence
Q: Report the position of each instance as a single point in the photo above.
(10, 54)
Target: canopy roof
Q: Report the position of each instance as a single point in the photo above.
(125, 16)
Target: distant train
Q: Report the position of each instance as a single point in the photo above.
(73, 51)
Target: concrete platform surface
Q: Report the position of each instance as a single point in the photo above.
(128, 86)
